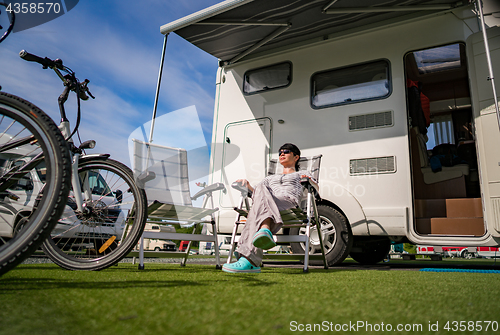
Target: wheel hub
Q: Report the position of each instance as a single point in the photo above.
(95, 213)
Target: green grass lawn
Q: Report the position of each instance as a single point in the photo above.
(197, 299)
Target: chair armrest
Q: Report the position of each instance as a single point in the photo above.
(245, 192)
(311, 186)
(209, 189)
(144, 177)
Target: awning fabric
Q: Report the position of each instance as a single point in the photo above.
(234, 29)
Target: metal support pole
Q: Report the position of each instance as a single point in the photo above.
(158, 89)
(479, 7)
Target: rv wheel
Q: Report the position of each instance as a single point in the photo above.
(370, 250)
(337, 236)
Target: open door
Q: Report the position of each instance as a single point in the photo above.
(487, 128)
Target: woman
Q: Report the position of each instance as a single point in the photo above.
(272, 195)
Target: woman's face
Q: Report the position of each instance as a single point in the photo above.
(288, 158)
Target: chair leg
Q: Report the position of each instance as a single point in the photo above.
(320, 235)
(310, 202)
(141, 253)
(216, 246)
(233, 243)
(306, 248)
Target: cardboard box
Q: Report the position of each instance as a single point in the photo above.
(464, 208)
(457, 226)
(451, 226)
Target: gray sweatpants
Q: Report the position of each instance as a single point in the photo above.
(265, 205)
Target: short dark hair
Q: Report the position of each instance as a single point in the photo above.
(296, 151)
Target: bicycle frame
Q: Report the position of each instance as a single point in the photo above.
(71, 83)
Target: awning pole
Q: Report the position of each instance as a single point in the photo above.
(158, 89)
(479, 7)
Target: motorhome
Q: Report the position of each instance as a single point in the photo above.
(464, 252)
(157, 244)
(399, 97)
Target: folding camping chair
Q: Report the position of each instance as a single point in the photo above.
(292, 218)
(163, 172)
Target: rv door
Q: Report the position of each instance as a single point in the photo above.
(247, 150)
(485, 122)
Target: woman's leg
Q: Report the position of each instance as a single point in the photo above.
(264, 212)
(267, 223)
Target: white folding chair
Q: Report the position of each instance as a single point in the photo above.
(163, 173)
(304, 216)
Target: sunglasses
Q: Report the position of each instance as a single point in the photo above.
(284, 151)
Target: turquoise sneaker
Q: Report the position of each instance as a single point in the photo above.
(241, 266)
(263, 239)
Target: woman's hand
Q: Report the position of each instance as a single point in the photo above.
(311, 180)
(245, 183)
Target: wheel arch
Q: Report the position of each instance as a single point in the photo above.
(345, 203)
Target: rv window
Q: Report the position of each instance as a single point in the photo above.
(351, 84)
(267, 78)
(440, 131)
(438, 59)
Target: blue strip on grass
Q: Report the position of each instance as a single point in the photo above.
(458, 270)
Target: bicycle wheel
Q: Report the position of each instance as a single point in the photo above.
(35, 170)
(7, 22)
(114, 215)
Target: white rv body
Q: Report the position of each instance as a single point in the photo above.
(380, 202)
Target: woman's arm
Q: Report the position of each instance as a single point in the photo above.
(246, 184)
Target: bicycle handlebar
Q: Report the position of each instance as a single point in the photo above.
(70, 81)
(45, 62)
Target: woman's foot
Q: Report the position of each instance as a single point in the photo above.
(263, 239)
(243, 265)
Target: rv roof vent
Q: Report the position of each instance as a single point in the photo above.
(369, 121)
(372, 165)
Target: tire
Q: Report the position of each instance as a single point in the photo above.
(370, 250)
(466, 254)
(12, 20)
(337, 236)
(49, 185)
(157, 249)
(111, 225)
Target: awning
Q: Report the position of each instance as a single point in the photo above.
(234, 29)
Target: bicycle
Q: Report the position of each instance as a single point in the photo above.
(106, 211)
(35, 166)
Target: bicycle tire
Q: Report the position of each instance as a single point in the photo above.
(24, 225)
(88, 241)
(11, 23)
